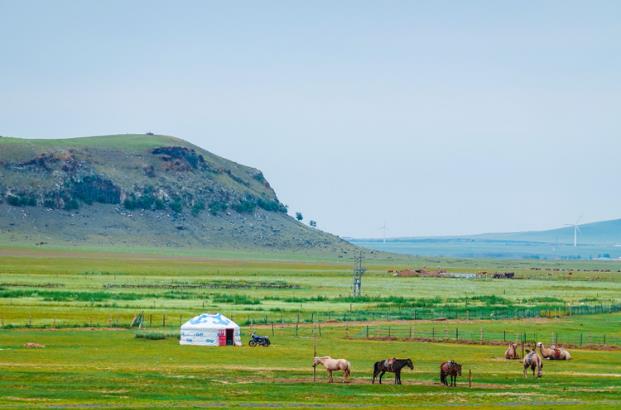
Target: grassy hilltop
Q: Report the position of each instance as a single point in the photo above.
(141, 190)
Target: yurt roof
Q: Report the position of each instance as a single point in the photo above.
(209, 321)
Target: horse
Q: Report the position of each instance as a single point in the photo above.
(533, 361)
(333, 365)
(452, 369)
(511, 352)
(390, 365)
(553, 353)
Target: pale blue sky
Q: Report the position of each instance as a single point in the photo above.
(440, 117)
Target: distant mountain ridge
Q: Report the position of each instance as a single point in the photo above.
(596, 233)
(595, 240)
(151, 190)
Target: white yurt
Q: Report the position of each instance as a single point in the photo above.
(210, 330)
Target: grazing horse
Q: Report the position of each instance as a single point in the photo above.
(553, 353)
(333, 365)
(511, 352)
(390, 365)
(533, 361)
(452, 369)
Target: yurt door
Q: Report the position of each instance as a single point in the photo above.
(230, 333)
(222, 338)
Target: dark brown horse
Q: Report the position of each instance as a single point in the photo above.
(391, 365)
(452, 369)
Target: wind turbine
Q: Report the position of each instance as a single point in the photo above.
(384, 228)
(576, 230)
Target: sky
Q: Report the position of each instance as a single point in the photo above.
(432, 117)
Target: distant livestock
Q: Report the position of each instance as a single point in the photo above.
(504, 275)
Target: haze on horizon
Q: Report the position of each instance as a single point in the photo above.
(435, 117)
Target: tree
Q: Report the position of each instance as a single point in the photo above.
(298, 216)
(313, 223)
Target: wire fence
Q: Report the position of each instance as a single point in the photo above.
(163, 320)
(483, 336)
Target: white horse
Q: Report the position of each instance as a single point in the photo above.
(333, 365)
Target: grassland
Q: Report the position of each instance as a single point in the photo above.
(45, 294)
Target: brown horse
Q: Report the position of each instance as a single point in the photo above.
(390, 365)
(511, 352)
(333, 365)
(533, 361)
(452, 369)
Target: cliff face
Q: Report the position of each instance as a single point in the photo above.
(145, 189)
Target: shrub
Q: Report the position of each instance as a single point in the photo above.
(21, 199)
(176, 205)
(271, 205)
(235, 299)
(246, 205)
(197, 208)
(71, 204)
(153, 336)
(215, 207)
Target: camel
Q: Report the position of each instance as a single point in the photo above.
(553, 353)
(533, 361)
(334, 365)
(511, 352)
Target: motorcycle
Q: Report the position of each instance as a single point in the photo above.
(256, 340)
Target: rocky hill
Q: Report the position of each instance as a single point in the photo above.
(143, 190)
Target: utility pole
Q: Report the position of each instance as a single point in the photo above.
(358, 272)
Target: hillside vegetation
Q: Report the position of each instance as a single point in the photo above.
(150, 190)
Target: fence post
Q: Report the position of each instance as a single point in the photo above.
(469, 378)
(481, 335)
(433, 333)
(410, 332)
(272, 328)
(580, 339)
(456, 334)
(388, 331)
(367, 331)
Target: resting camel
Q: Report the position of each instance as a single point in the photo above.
(511, 352)
(533, 361)
(553, 353)
(334, 365)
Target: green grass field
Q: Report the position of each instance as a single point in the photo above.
(75, 302)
